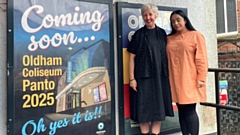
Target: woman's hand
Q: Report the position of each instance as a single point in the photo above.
(133, 84)
(200, 84)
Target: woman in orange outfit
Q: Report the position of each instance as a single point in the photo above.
(188, 67)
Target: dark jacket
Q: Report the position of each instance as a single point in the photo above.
(143, 62)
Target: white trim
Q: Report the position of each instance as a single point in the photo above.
(221, 35)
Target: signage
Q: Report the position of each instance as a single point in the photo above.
(62, 67)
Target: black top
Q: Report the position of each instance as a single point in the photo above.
(139, 46)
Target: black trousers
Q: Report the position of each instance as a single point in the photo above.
(188, 119)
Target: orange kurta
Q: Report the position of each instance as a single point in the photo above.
(188, 63)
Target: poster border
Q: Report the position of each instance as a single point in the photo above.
(119, 6)
(10, 64)
(10, 60)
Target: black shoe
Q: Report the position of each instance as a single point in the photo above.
(145, 133)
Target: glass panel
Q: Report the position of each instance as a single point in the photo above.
(220, 16)
(229, 84)
(231, 15)
(229, 122)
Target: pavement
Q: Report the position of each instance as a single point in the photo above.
(178, 133)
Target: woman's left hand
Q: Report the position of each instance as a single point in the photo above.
(200, 84)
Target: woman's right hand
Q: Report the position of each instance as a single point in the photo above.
(132, 81)
(133, 84)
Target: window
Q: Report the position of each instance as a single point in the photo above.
(226, 16)
(69, 99)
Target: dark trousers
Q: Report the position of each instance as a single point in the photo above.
(188, 119)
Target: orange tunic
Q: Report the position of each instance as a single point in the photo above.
(188, 63)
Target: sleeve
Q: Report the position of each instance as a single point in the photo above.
(133, 46)
(201, 59)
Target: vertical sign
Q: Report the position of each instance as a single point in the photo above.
(130, 20)
(223, 89)
(62, 65)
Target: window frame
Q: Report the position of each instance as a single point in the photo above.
(226, 33)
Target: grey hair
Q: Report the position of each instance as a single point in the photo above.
(149, 6)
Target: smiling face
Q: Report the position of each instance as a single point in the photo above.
(178, 23)
(149, 18)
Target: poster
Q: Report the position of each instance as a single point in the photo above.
(131, 20)
(62, 67)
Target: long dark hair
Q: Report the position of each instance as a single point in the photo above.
(184, 16)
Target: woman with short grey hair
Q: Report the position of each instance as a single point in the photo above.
(149, 6)
(150, 96)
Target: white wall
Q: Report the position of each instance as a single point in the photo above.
(3, 67)
(202, 15)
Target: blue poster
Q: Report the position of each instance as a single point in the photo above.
(61, 55)
(132, 21)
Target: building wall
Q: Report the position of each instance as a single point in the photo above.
(229, 57)
(202, 15)
(3, 61)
